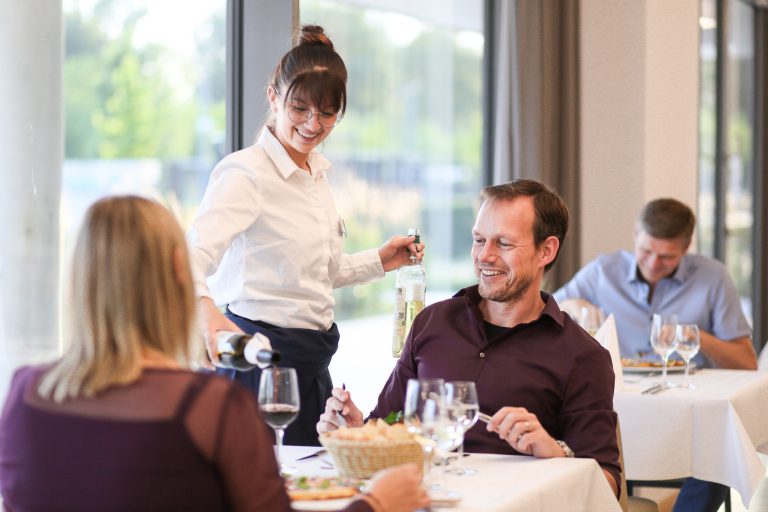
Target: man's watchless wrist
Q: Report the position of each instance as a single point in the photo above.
(566, 449)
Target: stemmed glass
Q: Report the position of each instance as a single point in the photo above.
(688, 343)
(423, 402)
(461, 402)
(279, 404)
(664, 341)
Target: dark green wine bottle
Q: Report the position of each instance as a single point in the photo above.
(243, 352)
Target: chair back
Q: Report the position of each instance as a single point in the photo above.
(631, 503)
(623, 499)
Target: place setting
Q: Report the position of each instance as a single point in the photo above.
(435, 416)
(667, 338)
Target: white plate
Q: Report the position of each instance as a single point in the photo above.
(438, 500)
(320, 504)
(655, 369)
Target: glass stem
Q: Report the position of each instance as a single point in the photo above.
(460, 460)
(279, 435)
(427, 466)
(664, 369)
(685, 379)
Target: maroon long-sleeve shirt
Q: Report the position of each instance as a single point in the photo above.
(550, 366)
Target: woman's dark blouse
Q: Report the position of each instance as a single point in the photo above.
(173, 440)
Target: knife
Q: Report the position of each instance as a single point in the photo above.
(315, 454)
(653, 389)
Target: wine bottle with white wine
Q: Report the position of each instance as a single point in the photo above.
(410, 290)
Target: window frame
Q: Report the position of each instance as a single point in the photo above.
(759, 228)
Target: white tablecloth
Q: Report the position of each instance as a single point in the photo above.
(712, 432)
(507, 482)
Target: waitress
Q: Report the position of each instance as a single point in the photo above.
(267, 239)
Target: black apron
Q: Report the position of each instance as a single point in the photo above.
(309, 352)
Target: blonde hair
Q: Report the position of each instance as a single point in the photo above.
(131, 290)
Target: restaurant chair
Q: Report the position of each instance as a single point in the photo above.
(631, 503)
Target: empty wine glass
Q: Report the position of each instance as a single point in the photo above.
(663, 340)
(279, 404)
(688, 343)
(423, 398)
(463, 407)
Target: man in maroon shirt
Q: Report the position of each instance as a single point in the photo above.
(547, 383)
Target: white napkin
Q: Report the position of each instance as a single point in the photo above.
(608, 337)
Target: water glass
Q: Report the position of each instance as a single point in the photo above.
(279, 405)
(688, 343)
(423, 401)
(590, 319)
(463, 408)
(663, 340)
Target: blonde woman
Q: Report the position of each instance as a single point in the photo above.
(118, 423)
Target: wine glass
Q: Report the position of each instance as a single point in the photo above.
(423, 398)
(688, 343)
(279, 404)
(663, 340)
(463, 407)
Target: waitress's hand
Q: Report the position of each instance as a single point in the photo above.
(397, 251)
(211, 321)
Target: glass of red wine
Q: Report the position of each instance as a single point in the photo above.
(279, 404)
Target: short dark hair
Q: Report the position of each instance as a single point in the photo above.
(312, 67)
(549, 208)
(667, 219)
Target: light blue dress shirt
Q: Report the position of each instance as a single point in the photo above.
(699, 292)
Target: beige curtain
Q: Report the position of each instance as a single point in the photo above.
(535, 106)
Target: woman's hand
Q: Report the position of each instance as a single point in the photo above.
(398, 489)
(522, 430)
(397, 251)
(211, 321)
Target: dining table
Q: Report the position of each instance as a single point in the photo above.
(712, 431)
(503, 483)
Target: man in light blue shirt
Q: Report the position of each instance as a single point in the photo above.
(661, 277)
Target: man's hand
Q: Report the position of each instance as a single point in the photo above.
(211, 321)
(339, 410)
(396, 252)
(522, 430)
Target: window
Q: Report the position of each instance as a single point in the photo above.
(144, 102)
(407, 153)
(729, 89)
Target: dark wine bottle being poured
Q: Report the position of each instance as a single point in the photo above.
(242, 352)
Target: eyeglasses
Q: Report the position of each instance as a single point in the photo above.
(299, 114)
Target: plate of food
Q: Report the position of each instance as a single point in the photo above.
(322, 493)
(641, 366)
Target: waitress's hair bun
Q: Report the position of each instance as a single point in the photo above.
(312, 34)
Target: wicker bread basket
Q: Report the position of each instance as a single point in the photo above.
(363, 458)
